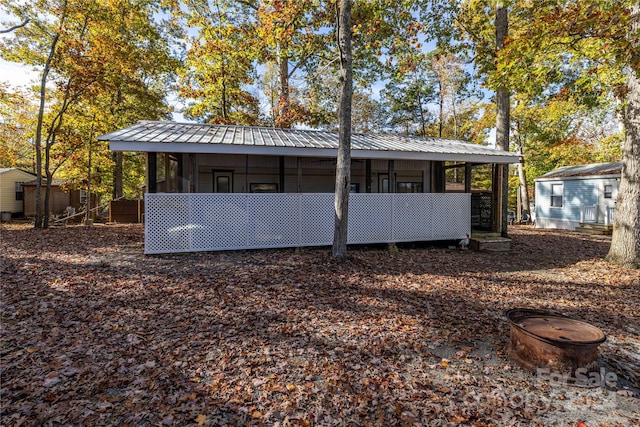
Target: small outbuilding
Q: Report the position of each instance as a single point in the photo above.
(63, 199)
(578, 197)
(11, 191)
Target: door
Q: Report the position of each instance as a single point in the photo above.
(222, 181)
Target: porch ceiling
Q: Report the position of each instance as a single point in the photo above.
(171, 137)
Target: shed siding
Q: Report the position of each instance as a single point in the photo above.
(8, 179)
(577, 193)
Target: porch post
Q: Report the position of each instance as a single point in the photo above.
(467, 177)
(281, 174)
(152, 170)
(180, 176)
(498, 208)
(437, 180)
(367, 178)
(299, 171)
(392, 179)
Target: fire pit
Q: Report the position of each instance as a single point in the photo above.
(541, 339)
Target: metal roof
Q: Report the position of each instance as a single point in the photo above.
(593, 169)
(172, 137)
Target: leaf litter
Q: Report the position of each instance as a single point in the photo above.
(93, 332)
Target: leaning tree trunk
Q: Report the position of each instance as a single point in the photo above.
(502, 127)
(343, 166)
(38, 141)
(625, 242)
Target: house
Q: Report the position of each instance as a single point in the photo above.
(11, 193)
(216, 187)
(572, 196)
(61, 198)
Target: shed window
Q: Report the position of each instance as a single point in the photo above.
(19, 191)
(556, 195)
(83, 197)
(608, 190)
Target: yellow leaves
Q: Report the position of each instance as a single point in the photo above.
(200, 419)
(444, 363)
(256, 414)
(291, 387)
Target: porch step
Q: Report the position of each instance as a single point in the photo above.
(490, 243)
(594, 228)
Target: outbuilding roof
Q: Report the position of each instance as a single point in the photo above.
(593, 169)
(172, 137)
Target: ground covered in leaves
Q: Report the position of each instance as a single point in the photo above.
(93, 332)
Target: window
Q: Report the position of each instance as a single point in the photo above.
(19, 191)
(409, 187)
(222, 181)
(383, 183)
(608, 190)
(354, 188)
(263, 188)
(556, 195)
(83, 197)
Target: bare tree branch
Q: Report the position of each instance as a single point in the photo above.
(15, 27)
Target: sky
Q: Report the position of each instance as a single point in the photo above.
(15, 74)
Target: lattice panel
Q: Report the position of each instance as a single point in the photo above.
(166, 223)
(412, 217)
(316, 219)
(451, 216)
(273, 220)
(219, 221)
(208, 222)
(370, 218)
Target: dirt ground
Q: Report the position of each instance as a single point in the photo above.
(93, 332)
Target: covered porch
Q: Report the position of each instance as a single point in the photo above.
(213, 187)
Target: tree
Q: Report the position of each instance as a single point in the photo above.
(590, 49)
(219, 64)
(503, 105)
(625, 242)
(407, 97)
(90, 53)
(18, 108)
(343, 166)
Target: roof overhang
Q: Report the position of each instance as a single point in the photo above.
(195, 138)
(168, 147)
(579, 177)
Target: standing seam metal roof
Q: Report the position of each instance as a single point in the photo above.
(195, 133)
(611, 168)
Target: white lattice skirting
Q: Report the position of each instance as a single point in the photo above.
(212, 222)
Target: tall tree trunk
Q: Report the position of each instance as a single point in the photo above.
(441, 107)
(38, 141)
(117, 175)
(522, 174)
(283, 120)
(502, 125)
(343, 165)
(625, 242)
